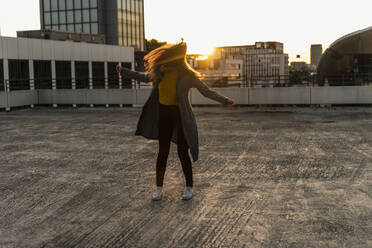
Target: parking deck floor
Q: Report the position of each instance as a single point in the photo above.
(267, 177)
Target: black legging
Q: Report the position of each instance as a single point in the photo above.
(170, 118)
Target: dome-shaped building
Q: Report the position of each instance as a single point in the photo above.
(348, 60)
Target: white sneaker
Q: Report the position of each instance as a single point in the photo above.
(187, 195)
(157, 194)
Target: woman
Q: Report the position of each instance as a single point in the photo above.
(167, 115)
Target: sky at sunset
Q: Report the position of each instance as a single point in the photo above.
(205, 24)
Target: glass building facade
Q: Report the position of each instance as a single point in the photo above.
(80, 16)
(131, 27)
(121, 21)
(2, 84)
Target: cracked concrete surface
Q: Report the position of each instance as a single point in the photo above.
(284, 177)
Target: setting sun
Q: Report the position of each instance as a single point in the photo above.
(199, 48)
(203, 47)
(204, 57)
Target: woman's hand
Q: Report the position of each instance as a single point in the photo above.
(230, 102)
(119, 68)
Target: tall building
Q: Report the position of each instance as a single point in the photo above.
(316, 51)
(121, 21)
(263, 61)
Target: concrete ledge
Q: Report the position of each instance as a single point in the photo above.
(46, 96)
(63, 96)
(293, 95)
(141, 96)
(240, 96)
(20, 98)
(3, 99)
(341, 95)
(110, 96)
(85, 96)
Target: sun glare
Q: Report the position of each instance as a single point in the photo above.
(203, 57)
(199, 49)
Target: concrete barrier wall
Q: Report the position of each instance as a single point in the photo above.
(22, 98)
(63, 96)
(341, 95)
(141, 95)
(85, 96)
(292, 95)
(242, 96)
(110, 96)
(3, 99)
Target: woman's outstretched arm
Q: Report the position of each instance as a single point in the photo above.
(126, 73)
(211, 94)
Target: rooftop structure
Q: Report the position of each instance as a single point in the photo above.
(348, 60)
(31, 64)
(62, 36)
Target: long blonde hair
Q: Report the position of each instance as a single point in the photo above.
(168, 54)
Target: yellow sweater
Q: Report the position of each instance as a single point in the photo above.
(167, 89)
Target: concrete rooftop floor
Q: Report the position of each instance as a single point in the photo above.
(269, 177)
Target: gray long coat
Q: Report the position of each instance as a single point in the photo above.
(148, 123)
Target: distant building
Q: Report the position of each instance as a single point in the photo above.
(263, 63)
(316, 51)
(298, 65)
(48, 64)
(216, 72)
(348, 60)
(121, 21)
(301, 65)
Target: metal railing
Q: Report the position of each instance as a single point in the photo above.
(247, 82)
(2, 85)
(66, 83)
(137, 97)
(114, 82)
(349, 79)
(359, 79)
